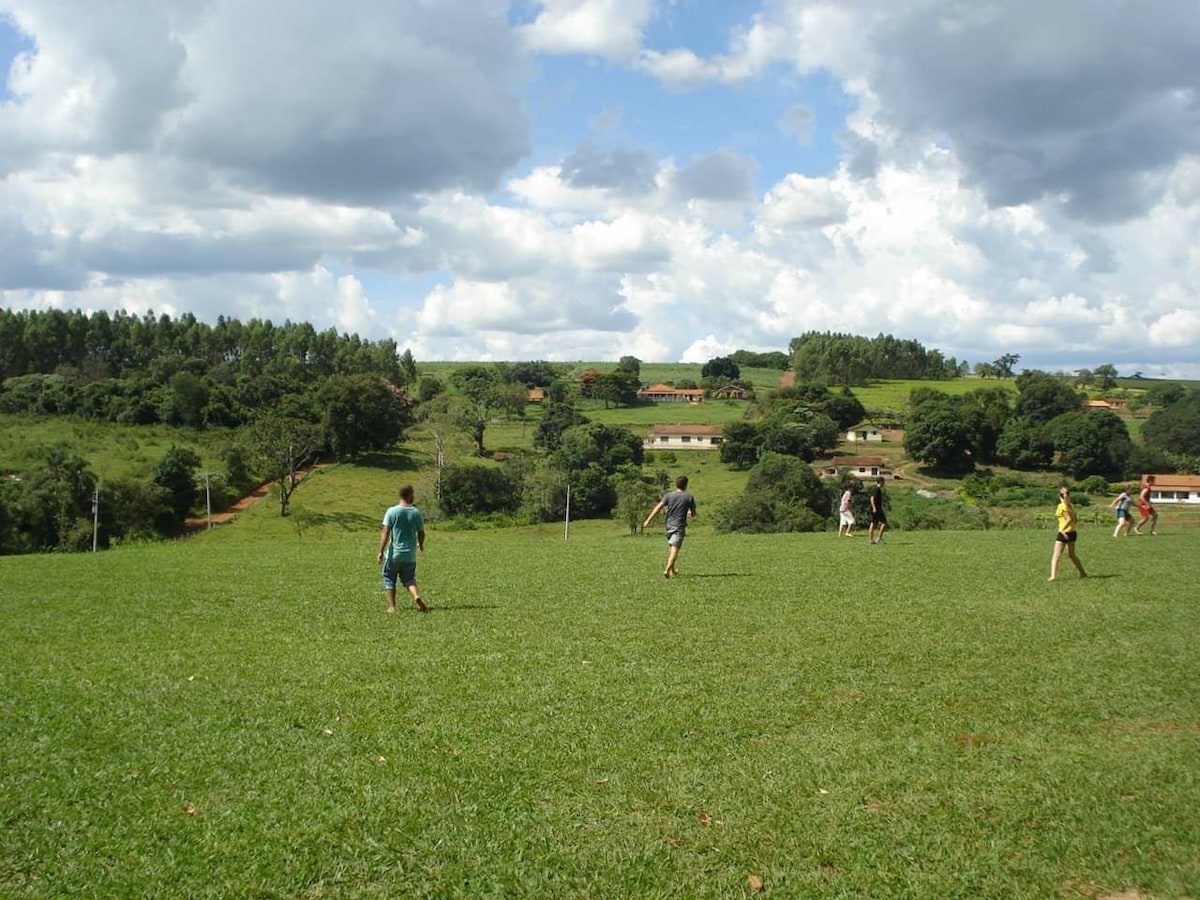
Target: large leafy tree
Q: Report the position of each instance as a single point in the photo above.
(1042, 397)
(1095, 442)
(1025, 444)
(1176, 427)
(281, 447)
(938, 435)
(360, 413)
(783, 493)
(175, 476)
(720, 367)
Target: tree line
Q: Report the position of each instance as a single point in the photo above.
(850, 359)
(1048, 426)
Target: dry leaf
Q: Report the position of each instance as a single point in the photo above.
(191, 678)
(671, 842)
(188, 809)
(602, 781)
(875, 807)
(327, 731)
(822, 791)
(381, 759)
(755, 883)
(705, 819)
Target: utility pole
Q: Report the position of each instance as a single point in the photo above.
(207, 497)
(567, 516)
(95, 517)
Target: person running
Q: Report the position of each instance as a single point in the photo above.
(1146, 508)
(403, 535)
(680, 506)
(878, 522)
(846, 513)
(1065, 514)
(1121, 505)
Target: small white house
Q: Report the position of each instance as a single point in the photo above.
(861, 467)
(864, 432)
(683, 437)
(1175, 489)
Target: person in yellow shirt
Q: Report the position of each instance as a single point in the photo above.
(1065, 513)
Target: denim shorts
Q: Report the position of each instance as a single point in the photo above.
(398, 570)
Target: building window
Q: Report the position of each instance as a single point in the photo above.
(687, 438)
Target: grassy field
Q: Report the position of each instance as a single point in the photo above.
(235, 715)
(894, 394)
(113, 451)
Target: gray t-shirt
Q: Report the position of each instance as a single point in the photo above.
(678, 503)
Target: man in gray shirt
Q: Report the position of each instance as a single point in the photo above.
(680, 506)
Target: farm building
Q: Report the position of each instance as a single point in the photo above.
(730, 392)
(536, 395)
(683, 437)
(664, 393)
(1175, 489)
(862, 467)
(864, 432)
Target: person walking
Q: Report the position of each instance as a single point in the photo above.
(402, 537)
(1121, 505)
(1064, 513)
(1146, 508)
(878, 522)
(846, 513)
(680, 506)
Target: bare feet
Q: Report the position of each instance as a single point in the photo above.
(391, 609)
(420, 604)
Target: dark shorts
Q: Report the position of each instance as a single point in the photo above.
(878, 518)
(401, 571)
(1067, 537)
(1122, 514)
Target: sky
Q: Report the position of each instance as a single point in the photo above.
(589, 179)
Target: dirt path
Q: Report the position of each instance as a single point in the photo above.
(200, 523)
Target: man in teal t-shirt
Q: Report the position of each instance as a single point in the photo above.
(402, 536)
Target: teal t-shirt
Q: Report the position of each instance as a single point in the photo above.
(405, 522)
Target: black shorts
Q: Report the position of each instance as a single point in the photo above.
(878, 519)
(1066, 537)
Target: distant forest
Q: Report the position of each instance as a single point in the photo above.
(849, 359)
(151, 369)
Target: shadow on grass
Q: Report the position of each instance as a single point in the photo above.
(435, 607)
(715, 575)
(399, 460)
(347, 521)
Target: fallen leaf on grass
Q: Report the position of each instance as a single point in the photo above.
(191, 678)
(671, 841)
(755, 883)
(381, 759)
(874, 807)
(704, 819)
(188, 809)
(327, 732)
(602, 781)
(822, 791)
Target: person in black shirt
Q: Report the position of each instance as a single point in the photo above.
(878, 516)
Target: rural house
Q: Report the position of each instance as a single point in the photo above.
(664, 393)
(683, 437)
(864, 432)
(862, 467)
(730, 392)
(1175, 489)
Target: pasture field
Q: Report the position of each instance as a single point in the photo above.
(112, 450)
(930, 718)
(893, 395)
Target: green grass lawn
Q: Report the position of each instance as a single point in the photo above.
(235, 715)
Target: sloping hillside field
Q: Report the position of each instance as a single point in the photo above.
(795, 716)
